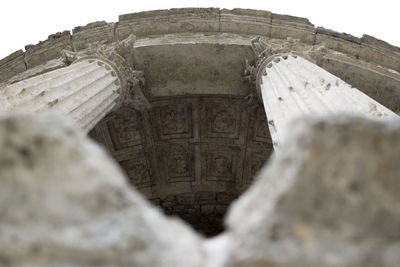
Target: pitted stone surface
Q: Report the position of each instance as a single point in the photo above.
(64, 202)
(330, 199)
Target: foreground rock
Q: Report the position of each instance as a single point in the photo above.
(64, 202)
(332, 198)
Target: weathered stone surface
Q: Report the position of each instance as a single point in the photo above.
(380, 52)
(49, 49)
(142, 24)
(284, 26)
(198, 65)
(341, 42)
(99, 31)
(12, 65)
(40, 69)
(245, 21)
(330, 199)
(193, 20)
(344, 36)
(63, 201)
(372, 41)
(85, 90)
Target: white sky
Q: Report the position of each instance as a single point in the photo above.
(30, 21)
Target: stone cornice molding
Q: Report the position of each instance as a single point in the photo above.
(116, 55)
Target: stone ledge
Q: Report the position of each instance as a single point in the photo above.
(245, 21)
(99, 31)
(341, 42)
(377, 43)
(48, 49)
(284, 26)
(12, 65)
(380, 52)
(332, 33)
(193, 20)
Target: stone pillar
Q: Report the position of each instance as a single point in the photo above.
(97, 80)
(291, 86)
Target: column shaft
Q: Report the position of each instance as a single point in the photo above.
(292, 86)
(85, 91)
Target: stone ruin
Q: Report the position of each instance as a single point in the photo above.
(200, 137)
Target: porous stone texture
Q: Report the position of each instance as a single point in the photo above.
(64, 202)
(245, 21)
(330, 199)
(39, 69)
(341, 42)
(284, 26)
(49, 49)
(12, 65)
(99, 31)
(142, 24)
(375, 50)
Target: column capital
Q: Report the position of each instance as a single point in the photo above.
(118, 56)
(267, 50)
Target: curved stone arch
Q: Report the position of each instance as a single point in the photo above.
(237, 21)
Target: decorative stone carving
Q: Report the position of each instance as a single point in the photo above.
(220, 165)
(199, 152)
(173, 120)
(125, 130)
(178, 166)
(138, 170)
(118, 55)
(176, 162)
(222, 120)
(263, 49)
(98, 81)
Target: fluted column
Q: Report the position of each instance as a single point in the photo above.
(97, 81)
(291, 86)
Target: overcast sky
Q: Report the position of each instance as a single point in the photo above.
(30, 21)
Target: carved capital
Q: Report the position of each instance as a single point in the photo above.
(264, 49)
(116, 55)
(267, 50)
